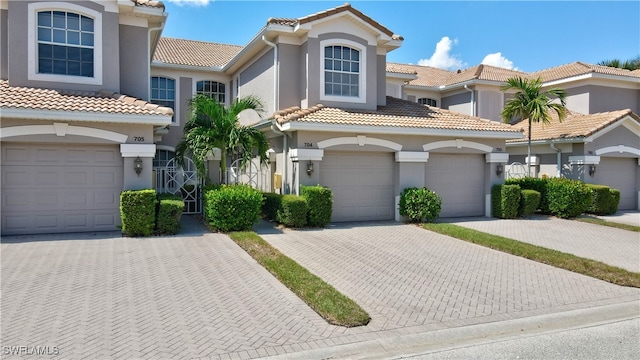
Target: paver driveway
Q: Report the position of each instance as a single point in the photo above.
(200, 296)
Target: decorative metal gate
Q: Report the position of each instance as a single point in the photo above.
(516, 171)
(183, 182)
(253, 175)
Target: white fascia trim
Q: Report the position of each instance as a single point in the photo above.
(590, 76)
(146, 10)
(412, 156)
(618, 149)
(497, 158)
(86, 116)
(135, 150)
(419, 87)
(626, 121)
(584, 159)
(470, 82)
(299, 126)
(133, 21)
(161, 65)
(306, 154)
(457, 143)
(401, 76)
(360, 140)
(548, 141)
(62, 129)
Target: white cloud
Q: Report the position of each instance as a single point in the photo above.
(496, 59)
(442, 57)
(190, 2)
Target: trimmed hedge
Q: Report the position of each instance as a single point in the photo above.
(232, 207)
(505, 201)
(539, 185)
(604, 200)
(529, 202)
(293, 211)
(272, 202)
(319, 204)
(168, 214)
(138, 212)
(567, 198)
(420, 204)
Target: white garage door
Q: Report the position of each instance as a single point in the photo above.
(60, 188)
(362, 185)
(459, 180)
(619, 173)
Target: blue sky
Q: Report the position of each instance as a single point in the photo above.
(524, 35)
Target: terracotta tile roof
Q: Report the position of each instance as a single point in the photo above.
(13, 97)
(427, 75)
(396, 114)
(194, 53)
(575, 125)
(333, 11)
(149, 3)
(400, 69)
(483, 72)
(578, 68)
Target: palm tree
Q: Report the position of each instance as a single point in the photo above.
(531, 103)
(631, 64)
(212, 125)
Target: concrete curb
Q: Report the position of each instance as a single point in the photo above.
(447, 339)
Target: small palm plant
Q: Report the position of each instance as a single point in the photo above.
(531, 103)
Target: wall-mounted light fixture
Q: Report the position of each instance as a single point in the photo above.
(499, 169)
(137, 165)
(309, 168)
(592, 170)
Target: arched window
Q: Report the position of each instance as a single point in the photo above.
(341, 71)
(163, 92)
(162, 158)
(427, 101)
(214, 89)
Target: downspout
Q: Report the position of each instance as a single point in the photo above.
(161, 27)
(558, 159)
(473, 101)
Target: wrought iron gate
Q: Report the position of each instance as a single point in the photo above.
(183, 182)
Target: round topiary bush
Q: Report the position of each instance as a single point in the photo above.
(233, 207)
(420, 204)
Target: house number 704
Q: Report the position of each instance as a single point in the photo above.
(308, 145)
(138, 138)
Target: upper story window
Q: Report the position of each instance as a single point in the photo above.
(427, 101)
(65, 43)
(214, 89)
(343, 71)
(163, 92)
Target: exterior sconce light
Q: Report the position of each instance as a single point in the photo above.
(592, 170)
(499, 169)
(137, 165)
(309, 168)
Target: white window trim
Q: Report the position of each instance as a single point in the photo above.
(176, 96)
(362, 98)
(32, 61)
(226, 85)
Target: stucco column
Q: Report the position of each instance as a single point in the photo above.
(495, 161)
(146, 153)
(304, 159)
(411, 173)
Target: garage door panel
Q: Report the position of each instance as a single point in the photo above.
(459, 180)
(620, 173)
(60, 188)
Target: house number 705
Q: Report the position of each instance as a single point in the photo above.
(138, 138)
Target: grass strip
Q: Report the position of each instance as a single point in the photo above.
(323, 298)
(551, 257)
(592, 220)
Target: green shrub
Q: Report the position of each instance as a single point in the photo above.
(505, 201)
(168, 213)
(615, 201)
(272, 202)
(293, 211)
(539, 185)
(420, 204)
(319, 204)
(567, 198)
(233, 207)
(604, 201)
(529, 202)
(138, 212)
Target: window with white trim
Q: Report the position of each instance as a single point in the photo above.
(213, 89)
(65, 43)
(163, 92)
(427, 101)
(341, 71)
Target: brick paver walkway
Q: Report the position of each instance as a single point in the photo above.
(612, 246)
(198, 295)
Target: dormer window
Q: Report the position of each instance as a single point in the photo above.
(65, 43)
(427, 101)
(213, 89)
(343, 69)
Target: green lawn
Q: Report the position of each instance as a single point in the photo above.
(336, 308)
(555, 258)
(597, 221)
